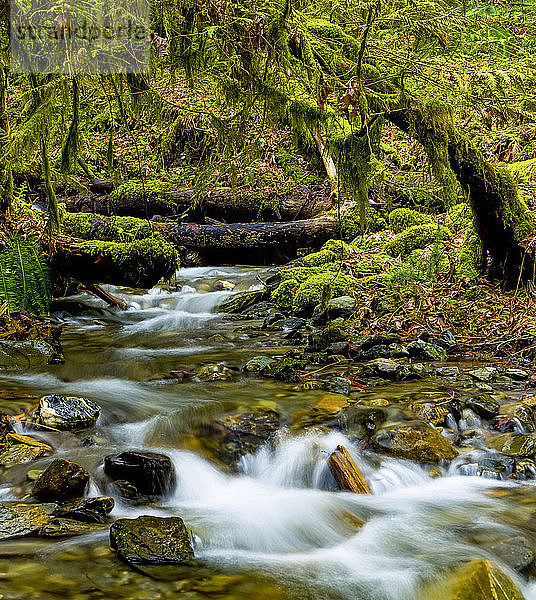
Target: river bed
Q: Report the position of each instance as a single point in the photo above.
(274, 530)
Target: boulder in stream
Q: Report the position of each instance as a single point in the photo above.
(18, 449)
(152, 540)
(89, 510)
(62, 480)
(66, 413)
(478, 579)
(25, 355)
(413, 440)
(151, 473)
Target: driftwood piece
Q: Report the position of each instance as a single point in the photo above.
(346, 472)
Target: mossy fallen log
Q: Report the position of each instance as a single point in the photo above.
(140, 264)
(243, 204)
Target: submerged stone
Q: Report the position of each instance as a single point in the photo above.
(66, 413)
(25, 355)
(515, 552)
(484, 405)
(214, 372)
(56, 528)
(20, 520)
(426, 351)
(259, 363)
(484, 374)
(514, 444)
(477, 580)
(413, 440)
(152, 540)
(152, 474)
(61, 480)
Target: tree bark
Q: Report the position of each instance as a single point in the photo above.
(502, 218)
(228, 205)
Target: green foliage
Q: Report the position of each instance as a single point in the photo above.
(401, 219)
(24, 277)
(420, 266)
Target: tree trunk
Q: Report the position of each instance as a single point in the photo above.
(240, 205)
(502, 217)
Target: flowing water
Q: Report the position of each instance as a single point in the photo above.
(275, 529)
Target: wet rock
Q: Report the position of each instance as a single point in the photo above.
(398, 351)
(414, 440)
(477, 580)
(381, 367)
(433, 412)
(380, 351)
(66, 413)
(214, 372)
(290, 324)
(151, 473)
(262, 310)
(259, 363)
(362, 421)
(19, 449)
(286, 368)
(426, 351)
(129, 493)
(234, 436)
(337, 385)
(152, 540)
(25, 355)
(514, 444)
(517, 374)
(61, 480)
(239, 302)
(525, 469)
(20, 520)
(57, 528)
(515, 552)
(485, 374)
(88, 510)
(484, 406)
(448, 371)
(343, 306)
(338, 348)
(508, 424)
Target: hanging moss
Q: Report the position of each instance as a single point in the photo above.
(113, 229)
(458, 217)
(470, 255)
(418, 236)
(401, 219)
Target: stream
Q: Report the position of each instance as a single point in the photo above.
(274, 530)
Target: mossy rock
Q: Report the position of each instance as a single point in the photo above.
(238, 302)
(514, 444)
(28, 354)
(319, 289)
(351, 225)
(470, 255)
(152, 540)
(331, 251)
(415, 237)
(401, 219)
(20, 520)
(19, 449)
(414, 440)
(61, 480)
(478, 579)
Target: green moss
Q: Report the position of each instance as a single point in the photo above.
(151, 191)
(284, 292)
(300, 274)
(401, 219)
(516, 213)
(351, 225)
(331, 251)
(141, 259)
(113, 229)
(470, 255)
(319, 289)
(418, 236)
(458, 217)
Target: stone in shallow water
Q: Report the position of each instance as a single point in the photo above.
(66, 413)
(19, 520)
(425, 351)
(516, 552)
(484, 374)
(151, 473)
(517, 374)
(56, 528)
(25, 355)
(477, 580)
(21, 449)
(484, 405)
(514, 444)
(413, 440)
(89, 510)
(152, 540)
(62, 480)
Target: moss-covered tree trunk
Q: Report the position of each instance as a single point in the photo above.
(502, 217)
(6, 176)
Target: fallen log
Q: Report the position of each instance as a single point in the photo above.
(243, 204)
(346, 472)
(138, 264)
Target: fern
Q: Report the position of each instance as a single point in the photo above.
(24, 277)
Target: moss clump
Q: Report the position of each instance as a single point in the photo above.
(141, 259)
(401, 219)
(516, 212)
(369, 266)
(331, 251)
(112, 229)
(351, 225)
(319, 289)
(458, 217)
(284, 293)
(300, 274)
(151, 191)
(418, 236)
(470, 255)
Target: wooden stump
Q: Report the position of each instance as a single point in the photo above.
(346, 472)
